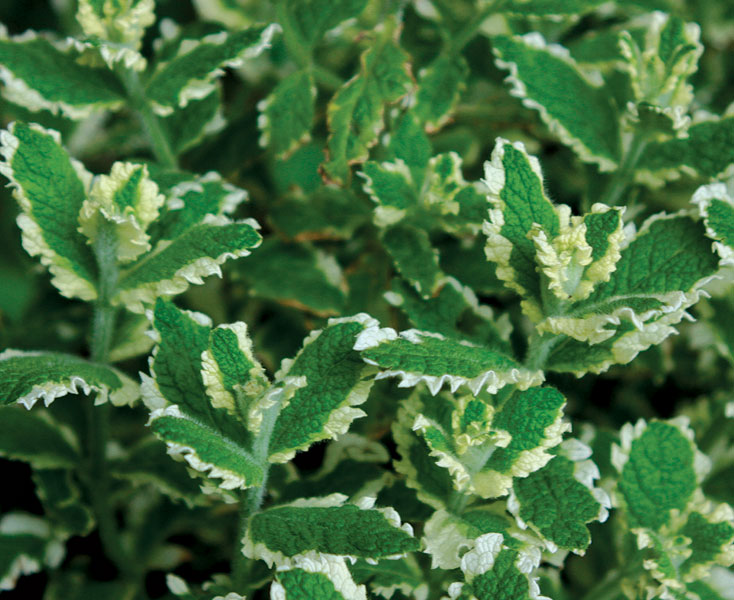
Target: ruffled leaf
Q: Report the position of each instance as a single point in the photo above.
(417, 356)
(27, 377)
(196, 253)
(192, 72)
(50, 188)
(716, 207)
(547, 79)
(118, 22)
(333, 381)
(322, 578)
(440, 86)
(355, 113)
(414, 256)
(326, 526)
(40, 75)
(402, 575)
(186, 127)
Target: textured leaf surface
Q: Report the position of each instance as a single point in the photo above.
(287, 114)
(557, 504)
(37, 75)
(344, 530)
(336, 380)
(548, 80)
(195, 254)
(186, 127)
(659, 473)
(50, 189)
(28, 436)
(716, 207)
(326, 578)
(440, 86)
(192, 72)
(27, 377)
(706, 152)
(313, 18)
(421, 356)
(355, 113)
(415, 258)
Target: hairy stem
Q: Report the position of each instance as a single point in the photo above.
(539, 348)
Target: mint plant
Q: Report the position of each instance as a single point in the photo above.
(472, 333)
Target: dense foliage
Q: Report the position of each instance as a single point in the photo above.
(473, 331)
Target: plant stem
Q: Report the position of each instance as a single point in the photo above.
(467, 33)
(625, 174)
(149, 120)
(608, 588)
(539, 349)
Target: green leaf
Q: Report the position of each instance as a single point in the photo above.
(61, 499)
(197, 253)
(313, 18)
(27, 376)
(417, 356)
(390, 576)
(186, 127)
(657, 467)
(410, 144)
(191, 74)
(706, 152)
(26, 546)
(38, 74)
(440, 85)
(333, 380)
(355, 113)
(550, 8)
(287, 114)
(414, 256)
(50, 188)
(326, 578)
(659, 275)
(314, 283)
(36, 439)
(716, 207)
(326, 526)
(548, 80)
(184, 416)
(712, 541)
(557, 501)
(118, 22)
(147, 463)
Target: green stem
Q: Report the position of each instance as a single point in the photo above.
(150, 121)
(608, 588)
(625, 174)
(467, 33)
(538, 350)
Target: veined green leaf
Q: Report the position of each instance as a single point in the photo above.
(483, 446)
(494, 571)
(287, 114)
(190, 198)
(315, 282)
(355, 113)
(211, 440)
(410, 144)
(186, 127)
(313, 18)
(659, 275)
(334, 381)
(414, 256)
(61, 499)
(126, 200)
(440, 86)
(712, 541)
(558, 500)
(39, 75)
(50, 188)
(659, 471)
(28, 376)
(706, 152)
(326, 526)
(716, 207)
(26, 546)
(197, 253)
(322, 578)
(35, 438)
(391, 187)
(454, 312)
(192, 72)
(548, 80)
(417, 356)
